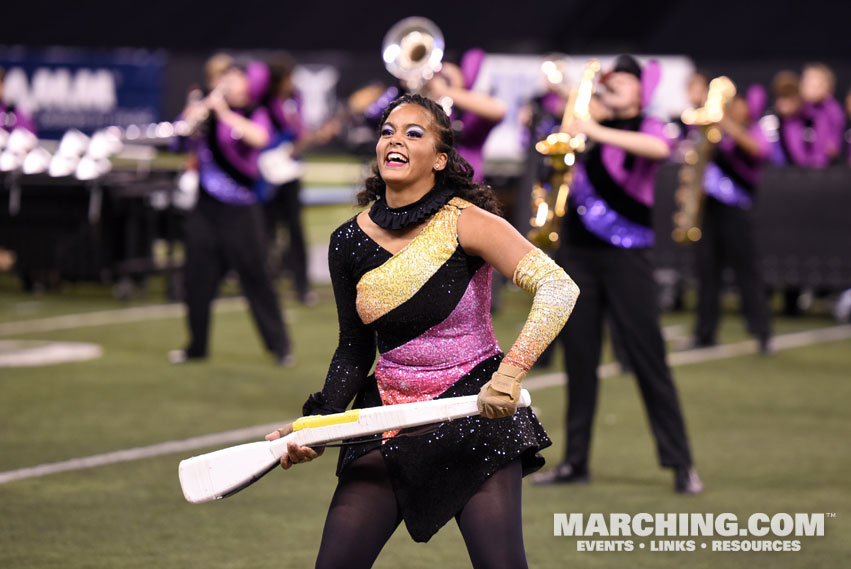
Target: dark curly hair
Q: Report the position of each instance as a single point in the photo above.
(457, 175)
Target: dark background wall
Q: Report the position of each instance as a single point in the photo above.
(722, 29)
(747, 40)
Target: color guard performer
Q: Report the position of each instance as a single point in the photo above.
(411, 276)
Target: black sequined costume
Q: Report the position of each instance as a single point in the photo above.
(426, 309)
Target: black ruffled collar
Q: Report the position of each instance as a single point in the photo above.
(388, 217)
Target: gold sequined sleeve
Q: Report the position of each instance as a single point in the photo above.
(555, 295)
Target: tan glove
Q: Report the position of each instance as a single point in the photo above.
(498, 397)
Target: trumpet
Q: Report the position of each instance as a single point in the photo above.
(690, 196)
(413, 51)
(549, 200)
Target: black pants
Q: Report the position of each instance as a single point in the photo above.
(220, 237)
(728, 240)
(285, 206)
(618, 284)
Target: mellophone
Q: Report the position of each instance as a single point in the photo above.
(225, 472)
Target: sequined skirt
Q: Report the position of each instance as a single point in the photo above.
(435, 472)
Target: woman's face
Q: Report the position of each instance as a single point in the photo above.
(407, 147)
(623, 92)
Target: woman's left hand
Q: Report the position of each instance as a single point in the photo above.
(498, 398)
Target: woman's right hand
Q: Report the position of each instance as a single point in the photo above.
(295, 454)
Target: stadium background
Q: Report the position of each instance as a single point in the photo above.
(770, 434)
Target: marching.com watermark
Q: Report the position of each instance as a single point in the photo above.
(689, 531)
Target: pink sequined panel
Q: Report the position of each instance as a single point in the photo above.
(428, 365)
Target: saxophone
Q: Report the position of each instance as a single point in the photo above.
(549, 198)
(690, 196)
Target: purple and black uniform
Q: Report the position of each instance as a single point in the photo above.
(811, 138)
(728, 237)
(732, 175)
(612, 194)
(227, 166)
(608, 234)
(225, 230)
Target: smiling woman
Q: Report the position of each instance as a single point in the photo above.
(412, 277)
(417, 128)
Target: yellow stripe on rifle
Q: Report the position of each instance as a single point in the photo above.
(312, 422)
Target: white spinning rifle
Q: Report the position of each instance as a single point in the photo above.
(225, 472)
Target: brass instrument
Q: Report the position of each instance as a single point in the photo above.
(690, 196)
(192, 124)
(549, 200)
(413, 50)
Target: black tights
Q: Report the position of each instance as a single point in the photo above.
(364, 514)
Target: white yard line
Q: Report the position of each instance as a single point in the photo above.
(720, 352)
(137, 453)
(21, 353)
(783, 342)
(117, 316)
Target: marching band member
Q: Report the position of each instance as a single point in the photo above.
(474, 114)
(225, 229)
(727, 229)
(697, 89)
(411, 275)
(822, 113)
(810, 120)
(608, 236)
(282, 201)
(788, 142)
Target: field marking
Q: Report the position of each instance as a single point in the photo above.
(159, 312)
(27, 353)
(138, 453)
(782, 342)
(720, 352)
(117, 316)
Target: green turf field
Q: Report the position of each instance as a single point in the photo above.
(769, 435)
